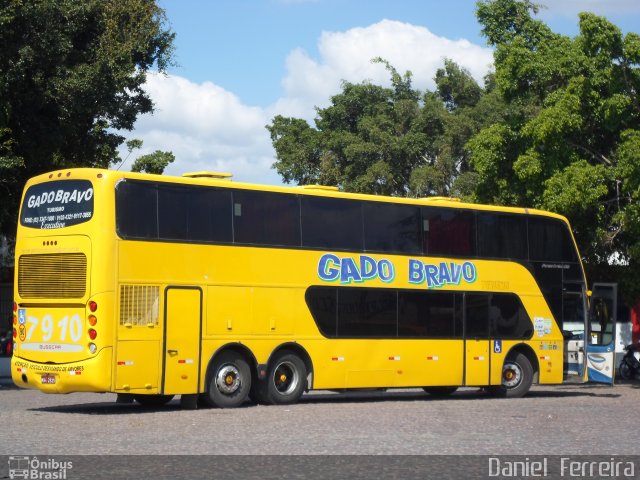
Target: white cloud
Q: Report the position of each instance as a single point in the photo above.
(209, 128)
(347, 56)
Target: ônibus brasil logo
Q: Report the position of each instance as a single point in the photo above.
(35, 468)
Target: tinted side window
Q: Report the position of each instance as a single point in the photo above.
(502, 236)
(331, 223)
(171, 212)
(322, 303)
(430, 314)
(209, 216)
(448, 231)
(266, 218)
(550, 241)
(550, 282)
(508, 318)
(477, 315)
(137, 210)
(391, 228)
(366, 312)
(172, 220)
(194, 214)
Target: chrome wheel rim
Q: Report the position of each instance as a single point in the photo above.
(511, 375)
(286, 378)
(228, 379)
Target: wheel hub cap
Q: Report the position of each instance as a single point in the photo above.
(228, 379)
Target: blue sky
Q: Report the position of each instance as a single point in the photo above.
(240, 62)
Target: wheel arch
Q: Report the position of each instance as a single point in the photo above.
(528, 352)
(233, 347)
(301, 352)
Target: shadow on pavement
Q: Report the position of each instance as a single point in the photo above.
(354, 396)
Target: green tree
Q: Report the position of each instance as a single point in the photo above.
(71, 75)
(570, 141)
(392, 141)
(154, 162)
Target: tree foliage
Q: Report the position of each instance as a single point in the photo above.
(556, 127)
(574, 147)
(71, 75)
(392, 141)
(154, 162)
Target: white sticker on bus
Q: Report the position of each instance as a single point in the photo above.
(52, 347)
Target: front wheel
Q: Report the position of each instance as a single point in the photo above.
(286, 380)
(625, 371)
(517, 377)
(229, 382)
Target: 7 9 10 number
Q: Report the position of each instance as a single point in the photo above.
(66, 326)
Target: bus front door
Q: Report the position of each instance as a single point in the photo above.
(476, 339)
(600, 340)
(182, 340)
(476, 368)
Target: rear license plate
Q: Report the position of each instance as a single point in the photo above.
(48, 379)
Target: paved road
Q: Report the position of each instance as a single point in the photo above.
(568, 420)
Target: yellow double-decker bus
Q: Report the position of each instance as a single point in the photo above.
(154, 286)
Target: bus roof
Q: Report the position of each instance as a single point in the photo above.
(224, 181)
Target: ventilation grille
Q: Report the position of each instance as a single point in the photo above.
(52, 275)
(139, 304)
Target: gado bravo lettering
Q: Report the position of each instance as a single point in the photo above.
(440, 274)
(60, 196)
(363, 268)
(348, 270)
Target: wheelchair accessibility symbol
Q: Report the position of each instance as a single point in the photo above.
(497, 346)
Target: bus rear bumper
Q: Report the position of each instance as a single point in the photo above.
(90, 375)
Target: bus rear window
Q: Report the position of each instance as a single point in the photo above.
(57, 204)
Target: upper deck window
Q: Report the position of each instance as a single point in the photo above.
(153, 211)
(550, 241)
(57, 204)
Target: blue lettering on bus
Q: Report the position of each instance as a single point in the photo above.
(443, 273)
(355, 270)
(328, 267)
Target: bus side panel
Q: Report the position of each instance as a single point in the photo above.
(228, 310)
(386, 363)
(137, 366)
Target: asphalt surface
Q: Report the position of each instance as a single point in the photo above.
(550, 420)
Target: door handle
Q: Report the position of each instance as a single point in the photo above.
(172, 352)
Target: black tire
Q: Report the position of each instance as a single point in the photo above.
(625, 371)
(286, 379)
(153, 400)
(517, 377)
(229, 381)
(440, 391)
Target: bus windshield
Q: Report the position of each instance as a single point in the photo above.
(57, 204)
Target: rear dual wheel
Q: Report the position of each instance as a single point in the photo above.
(285, 383)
